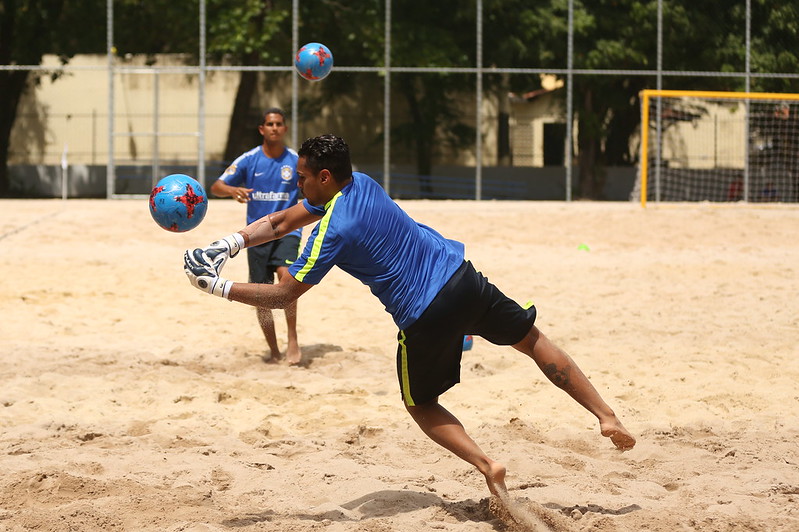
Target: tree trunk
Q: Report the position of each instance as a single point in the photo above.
(243, 129)
(240, 132)
(504, 155)
(589, 142)
(12, 86)
(423, 139)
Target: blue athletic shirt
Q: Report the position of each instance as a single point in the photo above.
(366, 234)
(274, 181)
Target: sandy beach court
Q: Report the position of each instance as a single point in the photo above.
(130, 401)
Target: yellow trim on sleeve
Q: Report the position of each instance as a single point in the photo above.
(320, 238)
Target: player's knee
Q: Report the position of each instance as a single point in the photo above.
(419, 409)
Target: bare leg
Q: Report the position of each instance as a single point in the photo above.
(565, 374)
(445, 429)
(293, 352)
(267, 322)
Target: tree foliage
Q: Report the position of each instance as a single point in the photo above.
(28, 30)
(699, 35)
(248, 33)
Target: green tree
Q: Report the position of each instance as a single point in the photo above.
(512, 39)
(154, 27)
(248, 33)
(28, 30)
(622, 34)
(433, 34)
(428, 120)
(259, 33)
(608, 34)
(775, 44)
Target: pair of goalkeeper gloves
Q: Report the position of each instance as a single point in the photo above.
(203, 265)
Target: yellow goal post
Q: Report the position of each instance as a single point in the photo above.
(718, 146)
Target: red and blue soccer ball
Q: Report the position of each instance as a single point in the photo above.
(178, 203)
(313, 61)
(468, 341)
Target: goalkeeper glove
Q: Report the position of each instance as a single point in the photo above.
(203, 274)
(220, 251)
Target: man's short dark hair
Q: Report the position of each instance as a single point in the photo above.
(328, 152)
(275, 110)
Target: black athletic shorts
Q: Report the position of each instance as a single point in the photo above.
(265, 259)
(429, 351)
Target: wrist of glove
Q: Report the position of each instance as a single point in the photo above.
(204, 275)
(228, 247)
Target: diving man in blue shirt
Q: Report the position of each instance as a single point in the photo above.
(434, 295)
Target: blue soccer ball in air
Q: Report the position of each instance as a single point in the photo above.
(313, 61)
(178, 203)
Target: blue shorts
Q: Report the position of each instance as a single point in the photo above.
(429, 351)
(264, 260)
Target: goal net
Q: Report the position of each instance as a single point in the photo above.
(718, 146)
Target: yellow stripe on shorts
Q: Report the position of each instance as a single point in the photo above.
(320, 237)
(406, 381)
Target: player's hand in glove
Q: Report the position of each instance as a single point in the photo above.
(221, 250)
(203, 273)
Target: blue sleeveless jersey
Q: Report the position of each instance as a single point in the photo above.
(366, 234)
(274, 181)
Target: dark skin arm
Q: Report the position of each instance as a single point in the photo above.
(277, 295)
(276, 225)
(268, 228)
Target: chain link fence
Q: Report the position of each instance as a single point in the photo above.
(111, 126)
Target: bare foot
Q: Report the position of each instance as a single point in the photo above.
(272, 358)
(495, 478)
(293, 354)
(621, 438)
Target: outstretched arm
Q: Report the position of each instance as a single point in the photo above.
(203, 274)
(277, 225)
(279, 295)
(270, 227)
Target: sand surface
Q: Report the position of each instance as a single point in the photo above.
(131, 401)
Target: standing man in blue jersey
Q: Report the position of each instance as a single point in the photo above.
(433, 294)
(265, 178)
